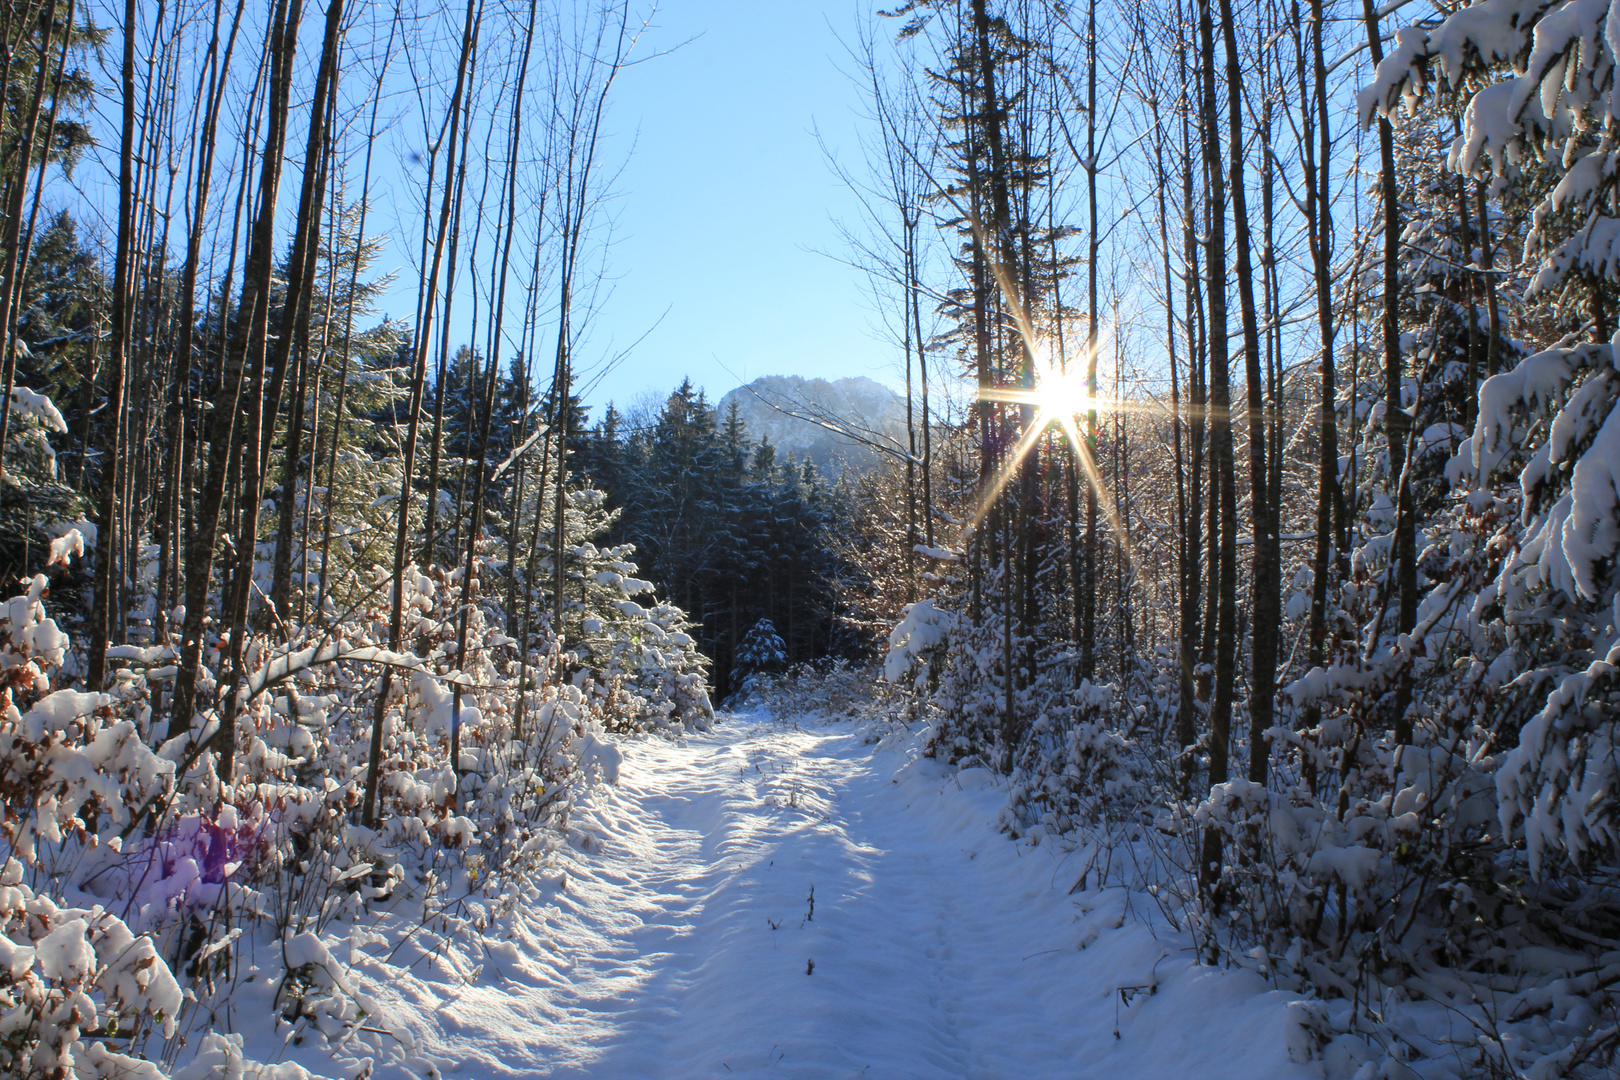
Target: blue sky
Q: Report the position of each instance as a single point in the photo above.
(727, 197)
(722, 204)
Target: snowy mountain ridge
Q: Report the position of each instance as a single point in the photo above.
(785, 409)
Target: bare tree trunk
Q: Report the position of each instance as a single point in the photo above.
(1186, 716)
(473, 528)
(582, 129)
(491, 380)
(1186, 533)
(914, 288)
(1003, 256)
(323, 355)
(266, 379)
(1263, 624)
(1488, 264)
(1396, 423)
(1088, 590)
(1221, 463)
(101, 612)
(15, 258)
(348, 314)
(295, 317)
(396, 619)
(431, 529)
(246, 341)
(908, 245)
(1319, 226)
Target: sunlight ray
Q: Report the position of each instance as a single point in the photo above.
(1059, 395)
(1003, 476)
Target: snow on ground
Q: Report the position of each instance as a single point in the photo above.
(683, 942)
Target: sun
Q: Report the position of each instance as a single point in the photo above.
(1059, 395)
(1061, 392)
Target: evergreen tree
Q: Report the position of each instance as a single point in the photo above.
(725, 532)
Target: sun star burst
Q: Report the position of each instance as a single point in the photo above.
(1061, 395)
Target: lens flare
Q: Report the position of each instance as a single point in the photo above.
(1061, 395)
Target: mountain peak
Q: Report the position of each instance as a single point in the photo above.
(833, 423)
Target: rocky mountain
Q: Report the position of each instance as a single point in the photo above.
(804, 417)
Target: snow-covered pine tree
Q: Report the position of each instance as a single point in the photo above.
(761, 653)
(632, 653)
(1540, 474)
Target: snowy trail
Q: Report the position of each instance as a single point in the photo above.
(682, 946)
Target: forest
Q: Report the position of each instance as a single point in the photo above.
(1251, 534)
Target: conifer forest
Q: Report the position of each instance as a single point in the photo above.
(1198, 656)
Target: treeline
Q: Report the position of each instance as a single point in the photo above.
(1276, 551)
(723, 527)
(214, 403)
(729, 532)
(309, 612)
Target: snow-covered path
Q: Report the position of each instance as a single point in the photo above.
(687, 943)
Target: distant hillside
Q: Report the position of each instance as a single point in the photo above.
(858, 404)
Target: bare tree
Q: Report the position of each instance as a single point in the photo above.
(430, 284)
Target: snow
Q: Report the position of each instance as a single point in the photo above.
(785, 408)
(1594, 250)
(59, 709)
(1410, 46)
(65, 953)
(604, 755)
(1492, 28)
(66, 547)
(941, 554)
(15, 959)
(923, 630)
(1580, 534)
(26, 402)
(1559, 793)
(290, 662)
(305, 949)
(221, 1056)
(1558, 38)
(677, 938)
(1488, 127)
(85, 528)
(1538, 382)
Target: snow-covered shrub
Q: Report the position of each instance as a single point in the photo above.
(66, 757)
(758, 663)
(833, 688)
(966, 708)
(36, 507)
(205, 866)
(671, 674)
(230, 875)
(71, 978)
(645, 669)
(73, 772)
(918, 645)
(220, 1057)
(1076, 765)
